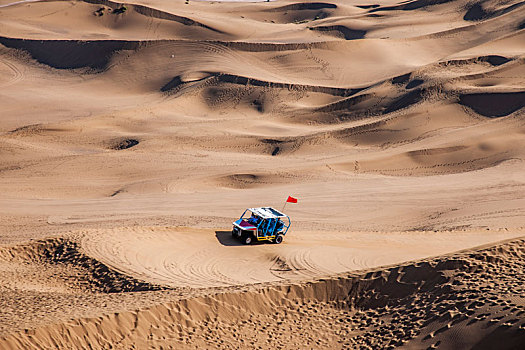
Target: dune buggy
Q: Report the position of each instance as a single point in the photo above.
(261, 224)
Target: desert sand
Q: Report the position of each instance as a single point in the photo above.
(132, 134)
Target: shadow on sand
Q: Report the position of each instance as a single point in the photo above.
(225, 238)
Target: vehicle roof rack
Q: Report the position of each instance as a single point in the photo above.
(268, 213)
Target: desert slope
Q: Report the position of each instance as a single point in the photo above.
(132, 134)
(470, 299)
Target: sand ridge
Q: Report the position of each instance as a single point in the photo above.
(186, 257)
(454, 300)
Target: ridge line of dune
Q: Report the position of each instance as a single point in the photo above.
(149, 11)
(385, 287)
(244, 80)
(67, 252)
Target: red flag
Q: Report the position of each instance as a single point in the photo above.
(291, 200)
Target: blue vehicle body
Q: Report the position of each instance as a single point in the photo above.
(261, 224)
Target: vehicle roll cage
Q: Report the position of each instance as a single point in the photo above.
(273, 220)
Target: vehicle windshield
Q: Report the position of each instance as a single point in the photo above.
(254, 219)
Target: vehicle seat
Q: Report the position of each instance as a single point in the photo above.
(272, 227)
(267, 227)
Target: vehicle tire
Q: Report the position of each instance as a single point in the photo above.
(247, 238)
(279, 239)
(234, 235)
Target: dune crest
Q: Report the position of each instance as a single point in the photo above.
(456, 291)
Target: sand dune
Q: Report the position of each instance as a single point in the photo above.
(189, 258)
(132, 134)
(454, 300)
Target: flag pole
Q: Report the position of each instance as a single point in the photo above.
(289, 199)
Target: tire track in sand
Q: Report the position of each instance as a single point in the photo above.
(200, 258)
(16, 73)
(197, 258)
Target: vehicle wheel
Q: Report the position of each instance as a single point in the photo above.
(247, 239)
(234, 235)
(279, 239)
